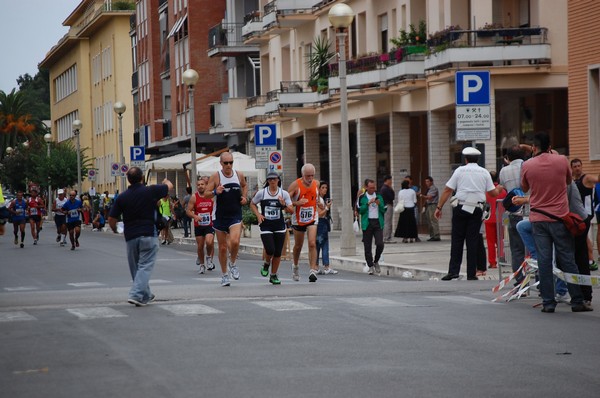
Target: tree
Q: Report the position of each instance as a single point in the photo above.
(16, 124)
(36, 91)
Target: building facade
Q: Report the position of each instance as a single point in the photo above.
(90, 70)
(401, 92)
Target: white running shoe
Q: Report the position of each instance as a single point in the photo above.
(202, 269)
(225, 280)
(295, 273)
(235, 272)
(312, 277)
(209, 263)
(330, 271)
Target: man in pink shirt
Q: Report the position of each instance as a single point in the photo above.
(546, 176)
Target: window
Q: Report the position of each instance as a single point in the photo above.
(383, 29)
(64, 126)
(106, 63)
(593, 115)
(142, 19)
(66, 83)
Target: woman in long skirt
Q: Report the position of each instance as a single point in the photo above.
(407, 223)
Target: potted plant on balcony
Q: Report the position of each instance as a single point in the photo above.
(322, 85)
(318, 61)
(409, 42)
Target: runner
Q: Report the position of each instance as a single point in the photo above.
(60, 218)
(230, 189)
(272, 201)
(73, 208)
(18, 208)
(200, 209)
(305, 193)
(35, 204)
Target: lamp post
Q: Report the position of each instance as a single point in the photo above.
(190, 78)
(48, 139)
(341, 16)
(77, 125)
(120, 108)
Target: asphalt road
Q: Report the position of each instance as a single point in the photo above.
(67, 331)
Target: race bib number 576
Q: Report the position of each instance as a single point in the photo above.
(306, 214)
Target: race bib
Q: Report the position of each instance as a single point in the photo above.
(272, 213)
(19, 212)
(73, 213)
(204, 219)
(33, 211)
(306, 214)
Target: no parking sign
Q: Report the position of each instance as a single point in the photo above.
(275, 161)
(114, 169)
(92, 175)
(124, 169)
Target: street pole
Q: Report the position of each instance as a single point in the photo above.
(48, 139)
(190, 78)
(77, 126)
(120, 108)
(341, 16)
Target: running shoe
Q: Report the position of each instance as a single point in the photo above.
(152, 298)
(274, 279)
(209, 263)
(225, 280)
(329, 271)
(197, 260)
(72, 247)
(377, 268)
(133, 301)
(22, 245)
(371, 272)
(16, 240)
(35, 241)
(264, 271)
(321, 271)
(235, 272)
(202, 269)
(593, 266)
(313, 276)
(77, 242)
(295, 273)
(57, 238)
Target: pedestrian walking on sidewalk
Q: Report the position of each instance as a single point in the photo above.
(470, 182)
(137, 205)
(371, 209)
(388, 194)
(273, 201)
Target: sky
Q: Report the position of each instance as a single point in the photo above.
(28, 30)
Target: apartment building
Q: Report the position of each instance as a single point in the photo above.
(401, 92)
(584, 84)
(90, 69)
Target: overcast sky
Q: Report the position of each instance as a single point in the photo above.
(29, 29)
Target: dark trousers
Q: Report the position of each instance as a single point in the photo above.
(465, 227)
(517, 247)
(373, 230)
(582, 260)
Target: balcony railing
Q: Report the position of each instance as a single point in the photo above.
(225, 34)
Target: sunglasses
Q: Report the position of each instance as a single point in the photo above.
(228, 162)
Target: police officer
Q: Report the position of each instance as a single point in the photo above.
(470, 182)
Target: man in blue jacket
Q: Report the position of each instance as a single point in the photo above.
(371, 209)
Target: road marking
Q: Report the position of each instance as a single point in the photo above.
(20, 288)
(190, 309)
(95, 312)
(172, 259)
(459, 299)
(285, 305)
(159, 281)
(16, 316)
(86, 284)
(373, 302)
(208, 279)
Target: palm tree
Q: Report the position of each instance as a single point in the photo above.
(16, 124)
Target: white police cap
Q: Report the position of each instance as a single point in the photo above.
(470, 151)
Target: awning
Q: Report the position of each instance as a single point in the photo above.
(177, 26)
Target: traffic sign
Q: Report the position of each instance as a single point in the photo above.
(92, 175)
(114, 169)
(262, 156)
(265, 135)
(473, 117)
(124, 169)
(275, 163)
(472, 88)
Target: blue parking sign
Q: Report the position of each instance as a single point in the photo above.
(137, 153)
(265, 135)
(472, 88)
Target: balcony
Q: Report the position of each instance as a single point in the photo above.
(228, 116)
(255, 108)
(253, 29)
(489, 47)
(98, 14)
(288, 14)
(297, 99)
(225, 40)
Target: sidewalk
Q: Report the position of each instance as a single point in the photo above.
(420, 260)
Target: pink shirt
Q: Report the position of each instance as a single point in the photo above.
(547, 175)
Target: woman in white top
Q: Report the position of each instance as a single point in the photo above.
(407, 224)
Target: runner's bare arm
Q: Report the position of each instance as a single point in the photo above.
(190, 207)
(244, 187)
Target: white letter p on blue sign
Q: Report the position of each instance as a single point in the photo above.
(265, 135)
(473, 88)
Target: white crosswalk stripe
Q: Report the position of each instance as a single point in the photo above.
(190, 309)
(285, 305)
(16, 316)
(20, 288)
(95, 313)
(373, 302)
(86, 284)
(459, 300)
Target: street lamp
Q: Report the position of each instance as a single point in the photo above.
(120, 108)
(48, 139)
(190, 78)
(341, 16)
(77, 125)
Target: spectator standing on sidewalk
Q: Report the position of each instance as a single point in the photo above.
(372, 210)
(186, 219)
(323, 229)
(470, 182)
(491, 226)
(407, 224)
(585, 184)
(547, 175)
(432, 197)
(138, 207)
(417, 190)
(510, 178)
(166, 210)
(388, 194)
